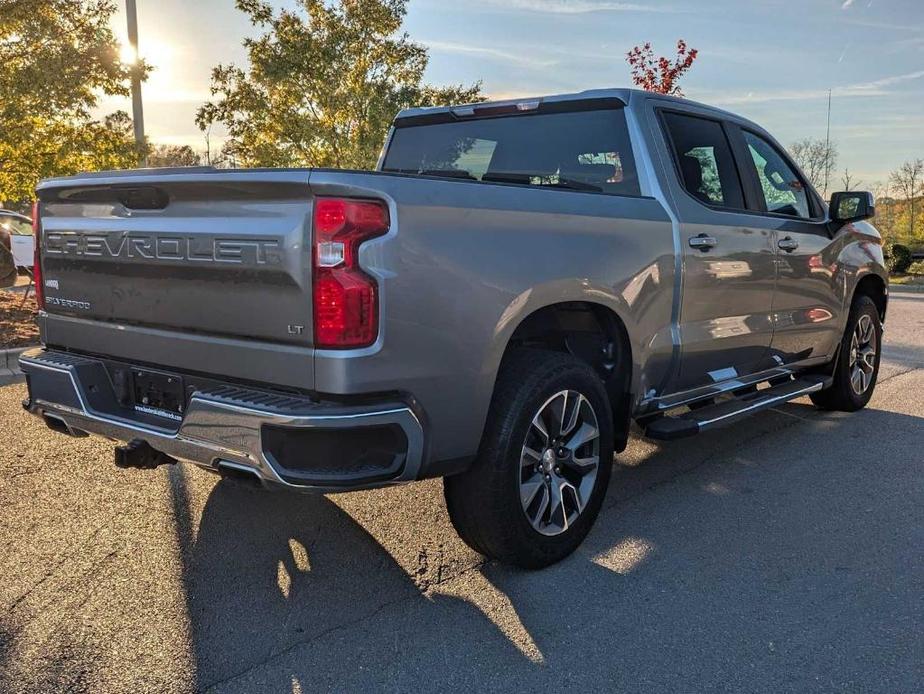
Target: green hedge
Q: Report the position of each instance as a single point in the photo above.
(898, 258)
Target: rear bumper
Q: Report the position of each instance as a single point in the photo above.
(285, 441)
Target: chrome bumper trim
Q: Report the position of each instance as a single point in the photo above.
(214, 430)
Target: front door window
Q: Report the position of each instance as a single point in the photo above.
(782, 189)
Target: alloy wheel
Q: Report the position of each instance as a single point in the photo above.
(863, 350)
(559, 462)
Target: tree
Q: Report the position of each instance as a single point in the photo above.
(56, 58)
(323, 83)
(848, 182)
(908, 183)
(885, 208)
(173, 155)
(662, 74)
(817, 160)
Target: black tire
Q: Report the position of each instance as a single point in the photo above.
(841, 395)
(484, 502)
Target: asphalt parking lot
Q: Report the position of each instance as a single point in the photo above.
(785, 554)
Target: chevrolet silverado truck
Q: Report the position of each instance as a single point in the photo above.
(513, 287)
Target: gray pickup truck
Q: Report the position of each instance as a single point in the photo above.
(514, 285)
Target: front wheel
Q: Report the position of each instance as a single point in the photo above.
(858, 362)
(544, 464)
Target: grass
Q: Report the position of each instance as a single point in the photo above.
(907, 280)
(908, 283)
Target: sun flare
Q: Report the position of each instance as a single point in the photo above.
(128, 55)
(161, 57)
(156, 53)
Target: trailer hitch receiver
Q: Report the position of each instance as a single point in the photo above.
(138, 453)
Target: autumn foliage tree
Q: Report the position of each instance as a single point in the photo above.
(323, 82)
(660, 74)
(173, 155)
(908, 181)
(57, 58)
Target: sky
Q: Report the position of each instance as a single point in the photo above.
(770, 60)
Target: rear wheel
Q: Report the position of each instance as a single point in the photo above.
(858, 362)
(544, 464)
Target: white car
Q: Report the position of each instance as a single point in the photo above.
(17, 246)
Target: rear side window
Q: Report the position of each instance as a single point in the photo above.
(586, 151)
(704, 159)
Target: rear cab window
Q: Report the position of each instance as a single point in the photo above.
(586, 150)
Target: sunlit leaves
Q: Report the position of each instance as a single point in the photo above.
(39, 147)
(322, 85)
(56, 58)
(908, 182)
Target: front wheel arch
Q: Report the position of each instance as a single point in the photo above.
(875, 287)
(840, 394)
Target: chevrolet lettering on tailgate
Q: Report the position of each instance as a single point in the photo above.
(168, 247)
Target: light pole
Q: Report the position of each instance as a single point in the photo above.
(828, 162)
(131, 12)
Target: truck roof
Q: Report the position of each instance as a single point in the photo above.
(623, 95)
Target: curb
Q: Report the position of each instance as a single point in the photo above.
(9, 360)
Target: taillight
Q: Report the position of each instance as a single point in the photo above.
(345, 298)
(37, 257)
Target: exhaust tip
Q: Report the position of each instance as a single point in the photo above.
(59, 425)
(239, 473)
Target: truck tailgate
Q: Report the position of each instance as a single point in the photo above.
(218, 259)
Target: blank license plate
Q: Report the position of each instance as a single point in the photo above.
(158, 393)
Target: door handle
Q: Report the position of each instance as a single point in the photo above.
(788, 244)
(703, 242)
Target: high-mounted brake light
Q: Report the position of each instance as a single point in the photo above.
(37, 257)
(345, 297)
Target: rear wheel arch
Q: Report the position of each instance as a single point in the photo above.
(595, 334)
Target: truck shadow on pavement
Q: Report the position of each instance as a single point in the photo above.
(704, 568)
(287, 581)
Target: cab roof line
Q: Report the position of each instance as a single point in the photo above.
(497, 109)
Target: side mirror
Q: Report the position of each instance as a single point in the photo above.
(851, 206)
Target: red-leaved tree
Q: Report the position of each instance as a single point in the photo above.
(660, 74)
